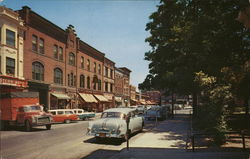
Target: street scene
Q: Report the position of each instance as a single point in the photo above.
(122, 79)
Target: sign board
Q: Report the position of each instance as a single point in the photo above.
(10, 81)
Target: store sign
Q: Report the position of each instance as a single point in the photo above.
(13, 82)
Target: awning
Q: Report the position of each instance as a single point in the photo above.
(101, 98)
(143, 102)
(133, 100)
(88, 98)
(118, 99)
(61, 96)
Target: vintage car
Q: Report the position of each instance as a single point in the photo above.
(159, 112)
(63, 115)
(112, 123)
(82, 115)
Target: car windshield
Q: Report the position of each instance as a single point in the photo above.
(32, 108)
(113, 115)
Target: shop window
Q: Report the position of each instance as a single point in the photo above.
(72, 59)
(10, 66)
(41, 46)
(10, 38)
(55, 51)
(58, 76)
(34, 43)
(37, 71)
(60, 53)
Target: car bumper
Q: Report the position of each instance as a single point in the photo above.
(106, 135)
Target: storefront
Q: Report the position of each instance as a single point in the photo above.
(87, 102)
(118, 101)
(102, 102)
(59, 101)
(111, 100)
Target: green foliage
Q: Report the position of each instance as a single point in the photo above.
(215, 98)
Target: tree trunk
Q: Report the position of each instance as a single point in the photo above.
(195, 105)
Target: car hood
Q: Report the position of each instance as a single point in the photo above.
(107, 123)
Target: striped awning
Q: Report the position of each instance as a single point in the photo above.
(60, 96)
(101, 98)
(88, 98)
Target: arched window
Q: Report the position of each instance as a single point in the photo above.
(72, 59)
(58, 76)
(88, 82)
(82, 81)
(37, 71)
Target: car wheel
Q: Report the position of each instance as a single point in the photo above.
(67, 121)
(48, 126)
(28, 126)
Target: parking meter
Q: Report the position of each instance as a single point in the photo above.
(127, 133)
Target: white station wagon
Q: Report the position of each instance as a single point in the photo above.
(112, 123)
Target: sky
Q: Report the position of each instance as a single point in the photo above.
(114, 27)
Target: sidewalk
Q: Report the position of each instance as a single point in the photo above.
(168, 140)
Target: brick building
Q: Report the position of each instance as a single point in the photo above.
(133, 100)
(11, 51)
(67, 72)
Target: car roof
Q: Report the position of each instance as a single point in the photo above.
(121, 110)
(61, 110)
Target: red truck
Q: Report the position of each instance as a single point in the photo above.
(22, 109)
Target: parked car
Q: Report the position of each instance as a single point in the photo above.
(112, 123)
(82, 115)
(159, 112)
(63, 115)
(141, 109)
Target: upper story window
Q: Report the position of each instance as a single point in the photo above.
(99, 84)
(88, 82)
(58, 76)
(72, 59)
(10, 38)
(10, 66)
(82, 81)
(37, 71)
(34, 43)
(41, 46)
(111, 73)
(94, 67)
(106, 71)
(99, 69)
(88, 64)
(55, 50)
(82, 62)
(60, 53)
(106, 86)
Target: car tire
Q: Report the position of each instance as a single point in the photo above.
(67, 121)
(28, 126)
(48, 126)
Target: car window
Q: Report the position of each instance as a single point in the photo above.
(60, 112)
(69, 112)
(75, 111)
(53, 113)
(112, 115)
(80, 111)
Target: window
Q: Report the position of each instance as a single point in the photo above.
(37, 71)
(88, 64)
(82, 62)
(58, 76)
(0, 34)
(99, 69)
(68, 79)
(41, 46)
(10, 38)
(99, 84)
(60, 53)
(111, 73)
(106, 71)
(111, 87)
(74, 84)
(10, 66)
(94, 67)
(71, 79)
(106, 86)
(72, 59)
(82, 81)
(88, 82)
(34, 43)
(55, 51)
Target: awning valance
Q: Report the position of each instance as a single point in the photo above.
(101, 98)
(88, 98)
(61, 96)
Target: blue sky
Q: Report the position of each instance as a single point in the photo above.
(114, 27)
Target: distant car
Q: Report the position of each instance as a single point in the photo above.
(63, 115)
(159, 112)
(112, 123)
(82, 115)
